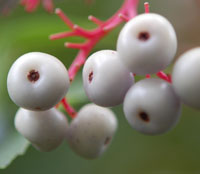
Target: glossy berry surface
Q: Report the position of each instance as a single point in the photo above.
(37, 81)
(44, 129)
(185, 77)
(106, 80)
(91, 132)
(152, 107)
(147, 44)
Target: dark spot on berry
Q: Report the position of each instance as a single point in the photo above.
(90, 77)
(107, 141)
(143, 36)
(144, 116)
(33, 76)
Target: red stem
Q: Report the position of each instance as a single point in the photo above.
(64, 18)
(69, 109)
(148, 76)
(146, 7)
(95, 20)
(164, 76)
(125, 13)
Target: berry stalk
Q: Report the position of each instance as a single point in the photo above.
(146, 7)
(70, 110)
(160, 74)
(127, 11)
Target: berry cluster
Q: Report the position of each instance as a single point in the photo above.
(37, 82)
(146, 45)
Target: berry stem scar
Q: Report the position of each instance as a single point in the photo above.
(33, 76)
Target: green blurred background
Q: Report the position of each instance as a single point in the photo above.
(176, 152)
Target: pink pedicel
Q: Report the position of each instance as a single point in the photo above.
(164, 76)
(92, 37)
(148, 76)
(127, 11)
(146, 7)
(70, 110)
(160, 74)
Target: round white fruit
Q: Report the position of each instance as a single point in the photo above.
(185, 77)
(106, 80)
(147, 44)
(44, 129)
(91, 132)
(152, 107)
(37, 81)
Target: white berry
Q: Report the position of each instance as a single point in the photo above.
(44, 129)
(185, 77)
(106, 80)
(90, 133)
(147, 44)
(37, 81)
(152, 107)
